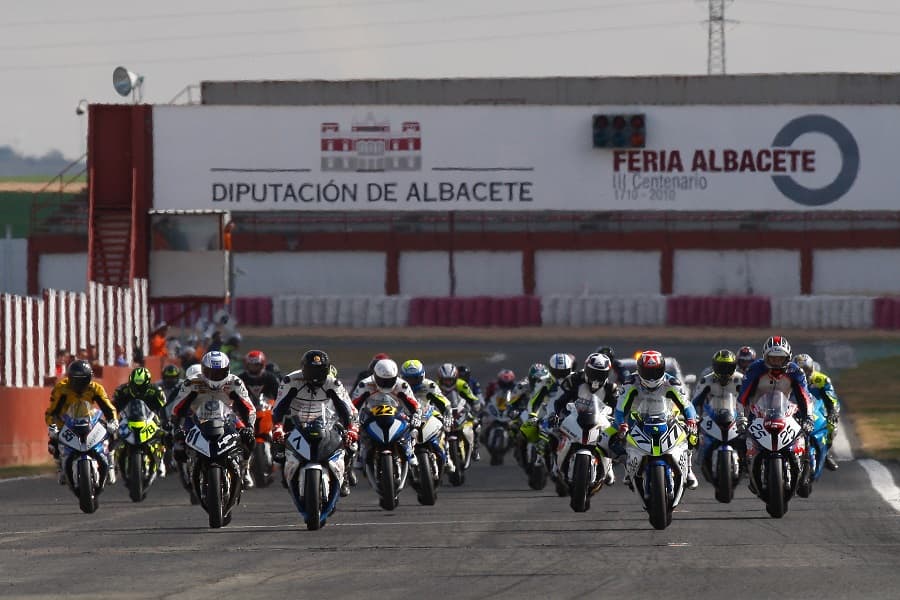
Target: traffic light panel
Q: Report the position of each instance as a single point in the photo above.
(620, 131)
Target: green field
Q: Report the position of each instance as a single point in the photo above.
(39, 178)
(871, 399)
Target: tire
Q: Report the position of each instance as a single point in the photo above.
(457, 477)
(312, 499)
(537, 478)
(724, 479)
(579, 488)
(261, 465)
(427, 494)
(562, 490)
(135, 474)
(87, 495)
(186, 482)
(657, 504)
(386, 483)
(804, 486)
(214, 499)
(775, 503)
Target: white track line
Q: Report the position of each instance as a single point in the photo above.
(496, 357)
(882, 481)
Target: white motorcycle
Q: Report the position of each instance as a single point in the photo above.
(84, 452)
(583, 450)
(498, 414)
(719, 455)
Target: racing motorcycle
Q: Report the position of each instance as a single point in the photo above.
(499, 414)
(215, 456)
(261, 463)
(719, 458)
(142, 453)
(83, 442)
(816, 448)
(314, 465)
(386, 426)
(431, 456)
(777, 456)
(657, 455)
(460, 439)
(534, 459)
(583, 450)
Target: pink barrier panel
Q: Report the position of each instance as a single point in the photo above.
(887, 313)
(475, 311)
(255, 311)
(455, 312)
(415, 311)
(718, 311)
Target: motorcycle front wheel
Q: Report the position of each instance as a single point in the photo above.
(581, 480)
(312, 499)
(261, 464)
(87, 493)
(136, 474)
(724, 481)
(386, 482)
(656, 503)
(775, 503)
(426, 493)
(214, 499)
(457, 477)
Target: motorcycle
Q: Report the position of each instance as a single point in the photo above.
(386, 426)
(534, 460)
(261, 463)
(314, 466)
(719, 459)
(84, 440)
(816, 448)
(583, 450)
(499, 414)
(215, 457)
(777, 455)
(142, 453)
(429, 449)
(657, 455)
(460, 439)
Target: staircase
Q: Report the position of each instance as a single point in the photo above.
(63, 210)
(110, 240)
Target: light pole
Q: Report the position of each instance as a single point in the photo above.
(81, 110)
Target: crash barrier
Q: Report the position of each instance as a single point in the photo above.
(886, 313)
(34, 329)
(824, 312)
(578, 311)
(475, 311)
(718, 311)
(340, 311)
(24, 440)
(250, 311)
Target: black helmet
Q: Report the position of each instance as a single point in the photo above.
(464, 372)
(608, 351)
(171, 374)
(316, 366)
(80, 375)
(596, 370)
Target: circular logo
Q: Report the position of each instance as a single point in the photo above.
(849, 160)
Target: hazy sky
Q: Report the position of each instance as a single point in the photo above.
(55, 52)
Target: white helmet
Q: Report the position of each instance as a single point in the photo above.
(215, 368)
(560, 365)
(776, 352)
(447, 376)
(193, 372)
(385, 372)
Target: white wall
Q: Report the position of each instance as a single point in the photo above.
(66, 272)
(309, 273)
(424, 274)
(596, 272)
(14, 266)
(867, 272)
(763, 272)
(488, 273)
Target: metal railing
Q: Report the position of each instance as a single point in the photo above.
(60, 210)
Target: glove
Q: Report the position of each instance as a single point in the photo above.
(623, 429)
(807, 425)
(833, 418)
(533, 418)
(448, 422)
(247, 436)
(111, 428)
(691, 426)
(741, 424)
(52, 448)
(553, 421)
(351, 436)
(53, 432)
(415, 421)
(278, 433)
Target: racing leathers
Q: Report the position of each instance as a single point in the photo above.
(62, 398)
(407, 400)
(819, 385)
(710, 386)
(154, 397)
(264, 384)
(428, 393)
(475, 406)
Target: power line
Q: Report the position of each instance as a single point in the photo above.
(355, 48)
(318, 28)
(882, 32)
(787, 3)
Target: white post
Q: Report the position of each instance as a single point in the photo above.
(51, 329)
(120, 320)
(110, 325)
(28, 324)
(18, 350)
(82, 320)
(44, 355)
(128, 296)
(7, 339)
(73, 322)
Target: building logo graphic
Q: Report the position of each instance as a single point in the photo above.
(370, 146)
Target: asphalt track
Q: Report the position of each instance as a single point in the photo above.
(491, 538)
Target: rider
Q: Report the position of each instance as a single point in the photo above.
(722, 379)
(368, 371)
(217, 383)
(653, 381)
(426, 390)
(140, 386)
(258, 380)
(819, 385)
(745, 357)
(76, 387)
(465, 373)
(306, 391)
(385, 379)
(449, 381)
(620, 372)
(523, 392)
(561, 366)
(171, 377)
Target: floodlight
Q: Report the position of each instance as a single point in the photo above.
(127, 82)
(82, 107)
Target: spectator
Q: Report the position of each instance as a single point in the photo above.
(137, 355)
(62, 362)
(188, 357)
(215, 343)
(121, 360)
(158, 340)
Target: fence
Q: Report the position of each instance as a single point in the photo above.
(33, 329)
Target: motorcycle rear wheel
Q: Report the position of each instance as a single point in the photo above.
(312, 499)
(214, 499)
(386, 483)
(657, 504)
(457, 477)
(579, 487)
(136, 474)
(87, 494)
(261, 465)
(427, 495)
(775, 502)
(537, 478)
(184, 474)
(724, 480)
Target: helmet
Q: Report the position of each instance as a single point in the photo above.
(506, 380)
(536, 372)
(447, 376)
(194, 371)
(80, 375)
(234, 340)
(413, 372)
(607, 350)
(255, 361)
(385, 372)
(745, 356)
(776, 352)
(171, 374)
(724, 363)
(139, 381)
(561, 365)
(651, 367)
(596, 370)
(805, 362)
(316, 367)
(464, 372)
(376, 358)
(215, 368)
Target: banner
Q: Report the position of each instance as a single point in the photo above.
(523, 158)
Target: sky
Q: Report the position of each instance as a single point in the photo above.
(54, 53)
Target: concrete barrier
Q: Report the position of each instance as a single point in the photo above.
(825, 312)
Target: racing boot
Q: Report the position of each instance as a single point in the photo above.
(345, 486)
(247, 479)
(830, 461)
(690, 480)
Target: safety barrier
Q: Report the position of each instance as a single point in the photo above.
(886, 313)
(340, 311)
(718, 311)
(579, 311)
(475, 311)
(33, 329)
(824, 312)
(250, 311)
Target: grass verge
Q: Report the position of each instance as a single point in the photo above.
(25, 471)
(871, 397)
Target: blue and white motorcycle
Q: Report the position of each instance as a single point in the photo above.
(429, 449)
(314, 465)
(816, 448)
(719, 458)
(84, 443)
(386, 428)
